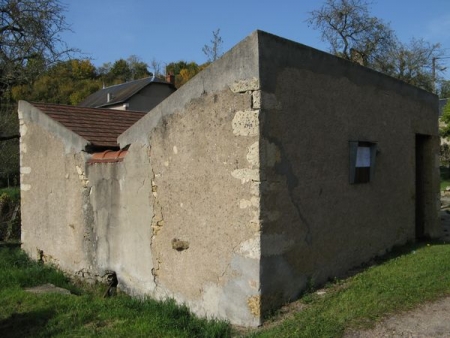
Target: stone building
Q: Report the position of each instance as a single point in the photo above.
(277, 166)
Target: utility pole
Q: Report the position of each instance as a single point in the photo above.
(433, 74)
(433, 71)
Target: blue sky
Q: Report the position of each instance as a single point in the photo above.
(173, 30)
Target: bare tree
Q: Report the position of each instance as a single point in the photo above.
(156, 67)
(29, 37)
(355, 35)
(138, 68)
(214, 51)
(351, 32)
(29, 41)
(413, 63)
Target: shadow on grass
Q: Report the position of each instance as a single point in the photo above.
(10, 244)
(393, 253)
(29, 324)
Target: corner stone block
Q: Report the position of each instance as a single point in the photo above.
(245, 85)
(246, 123)
(256, 99)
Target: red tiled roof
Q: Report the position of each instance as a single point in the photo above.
(100, 127)
(108, 156)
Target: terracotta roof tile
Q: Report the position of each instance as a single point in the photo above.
(108, 156)
(100, 127)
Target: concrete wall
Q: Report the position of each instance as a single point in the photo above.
(316, 225)
(53, 190)
(204, 162)
(121, 209)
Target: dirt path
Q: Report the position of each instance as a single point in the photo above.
(427, 321)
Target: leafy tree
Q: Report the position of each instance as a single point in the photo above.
(120, 72)
(214, 50)
(355, 35)
(184, 71)
(103, 72)
(66, 82)
(444, 91)
(444, 125)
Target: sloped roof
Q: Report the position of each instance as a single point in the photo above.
(100, 127)
(119, 93)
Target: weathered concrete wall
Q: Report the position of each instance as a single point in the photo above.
(204, 161)
(120, 203)
(179, 217)
(206, 226)
(317, 225)
(53, 190)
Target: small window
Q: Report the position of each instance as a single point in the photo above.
(362, 161)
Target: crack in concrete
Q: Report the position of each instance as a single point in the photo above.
(284, 167)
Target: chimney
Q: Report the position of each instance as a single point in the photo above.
(108, 97)
(170, 78)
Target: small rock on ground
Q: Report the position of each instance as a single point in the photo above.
(48, 288)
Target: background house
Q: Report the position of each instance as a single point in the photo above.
(137, 95)
(276, 167)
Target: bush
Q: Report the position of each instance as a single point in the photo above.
(9, 215)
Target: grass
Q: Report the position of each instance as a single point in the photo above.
(410, 276)
(86, 313)
(13, 193)
(414, 275)
(445, 177)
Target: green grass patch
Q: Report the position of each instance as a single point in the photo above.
(420, 273)
(405, 279)
(85, 313)
(13, 193)
(445, 177)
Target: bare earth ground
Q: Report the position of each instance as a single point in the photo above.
(428, 320)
